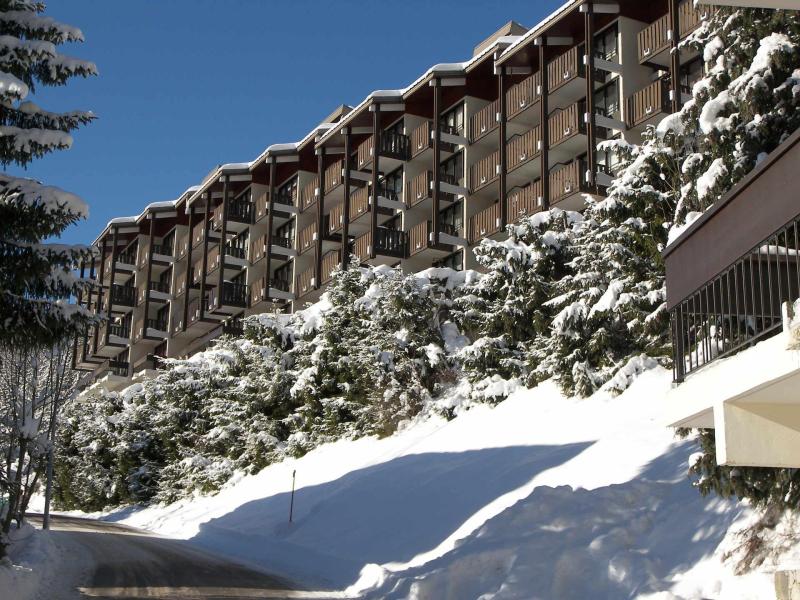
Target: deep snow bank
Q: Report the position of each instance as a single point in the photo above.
(540, 497)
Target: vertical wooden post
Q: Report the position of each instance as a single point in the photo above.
(223, 237)
(591, 136)
(373, 215)
(148, 272)
(320, 215)
(114, 254)
(206, 228)
(544, 125)
(502, 133)
(273, 168)
(675, 57)
(189, 273)
(345, 251)
(437, 167)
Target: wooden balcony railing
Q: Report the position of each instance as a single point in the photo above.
(567, 180)
(333, 175)
(525, 201)
(523, 95)
(648, 102)
(258, 248)
(305, 282)
(419, 238)
(484, 121)
(359, 203)
(213, 259)
(261, 205)
(258, 291)
(421, 138)
(180, 284)
(653, 39)
(336, 218)
(329, 263)
(308, 195)
(566, 123)
(565, 68)
(689, 17)
(391, 145)
(522, 148)
(198, 233)
(307, 237)
(182, 244)
(485, 223)
(484, 172)
(197, 271)
(419, 188)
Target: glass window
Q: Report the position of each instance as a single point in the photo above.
(452, 219)
(606, 100)
(393, 184)
(453, 120)
(606, 160)
(690, 74)
(453, 261)
(452, 169)
(283, 273)
(605, 44)
(285, 233)
(287, 192)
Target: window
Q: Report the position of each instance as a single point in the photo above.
(453, 261)
(690, 74)
(452, 219)
(283, 274)
(393, 184)
(605, 44)
(452, 121)
(606, 100)
(165, 278)
(606, 160)
(239, 278)
(287, 192)
(396, 128)
(452, 169)
(284, 235)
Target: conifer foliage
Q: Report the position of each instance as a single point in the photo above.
(36, 278)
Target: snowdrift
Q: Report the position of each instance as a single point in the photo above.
(539, 497)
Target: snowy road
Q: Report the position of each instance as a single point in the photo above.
(115, 561)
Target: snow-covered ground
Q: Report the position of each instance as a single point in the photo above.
(540, 497)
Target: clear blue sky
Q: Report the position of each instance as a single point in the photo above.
(187, 84)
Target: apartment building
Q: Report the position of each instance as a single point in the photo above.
(412, 177)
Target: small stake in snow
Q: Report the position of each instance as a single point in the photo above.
(291, 504)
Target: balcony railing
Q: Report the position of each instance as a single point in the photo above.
(648, 102)
(333, 176)
(182, 244)
(484, 121)
(308, 195)
(421, 138)
(283, 285)
(213, 262)
(654, 38)
(305, 282)
(390, 145)
(229, 294)
(522, 148)
(157, 324)
(484, 223)
(335, 219)
(419, 237)
(525, 201)
(119, 368)
(567, 180)
(308, 237)
(523, 95)
(180, 284)
(123, 295)
(359, 203)
(198, 233)
(565, 68)
(237, 248)
(419, 188)
(233, 327)
(159, 286)
(566, 123)
(329, 263)
(282, 241)
(485, 171)
(120, 330)
(258, 248)
(162, 249)
(240, 211)
(261, 206)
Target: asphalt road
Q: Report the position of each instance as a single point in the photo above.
(124, 562)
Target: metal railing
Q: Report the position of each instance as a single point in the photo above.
(740, 306)
(124, 295)
(157, 324)
(119, 368)
(122, 330)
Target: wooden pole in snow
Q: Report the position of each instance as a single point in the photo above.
(291, 504)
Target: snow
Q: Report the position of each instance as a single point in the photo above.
(706, 182)
(677, 230)
(542, 494)
(29, 572)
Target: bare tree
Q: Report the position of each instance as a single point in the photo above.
(35, 384)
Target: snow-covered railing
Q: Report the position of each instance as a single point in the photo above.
(740, 306)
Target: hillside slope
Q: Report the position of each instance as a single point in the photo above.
(539, 497)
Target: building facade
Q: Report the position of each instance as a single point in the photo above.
(412, 177)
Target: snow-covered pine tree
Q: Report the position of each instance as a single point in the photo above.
(505, 311)
(36, 278)
(611, 307)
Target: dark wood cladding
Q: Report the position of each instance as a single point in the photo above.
(421, 139)
(654, 38)
(567, 180)
(484, 223)
(565, 68)
(483, 122)
(523, 148)
(751, 212)
(525, 201)
(523, 95)
(359, 203)
(419, 238)
(647, 103)
(419, 188)
(333, 176)
(566, 123)
(308, 195)
(484, 172)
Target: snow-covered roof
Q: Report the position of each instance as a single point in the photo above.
(291, 147)
(159, 205)
(215, 174)
(536, 30)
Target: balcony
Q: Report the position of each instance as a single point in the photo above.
(648, 103)
(199, 233)
(333, 176)
(330, 261)
(565, 77)
(309, 194)
(483, 122)
(156, 290)
(283, 202)
(520, 97)
(484, 172)
(119, 368)
(157, 324)
(521, 149)
(567, 184)
(732, 277)
(180, 284)
(388, 243)
(654, 40)
(335, 220)
(359, 203)
(419, 188)
(567, 123)
(279, 289)
(485, 223)
(391, 145)
(120, 330)
(235, 211)
(228, 295)
(237, 249)
(182, 244)
(214, 260)
(307, 238)
(305, 282)
(123, 295)
(419, 239)
(524, 202)
(421, 139)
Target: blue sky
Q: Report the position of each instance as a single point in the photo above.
(187, 84)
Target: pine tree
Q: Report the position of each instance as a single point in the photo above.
(36, 277)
